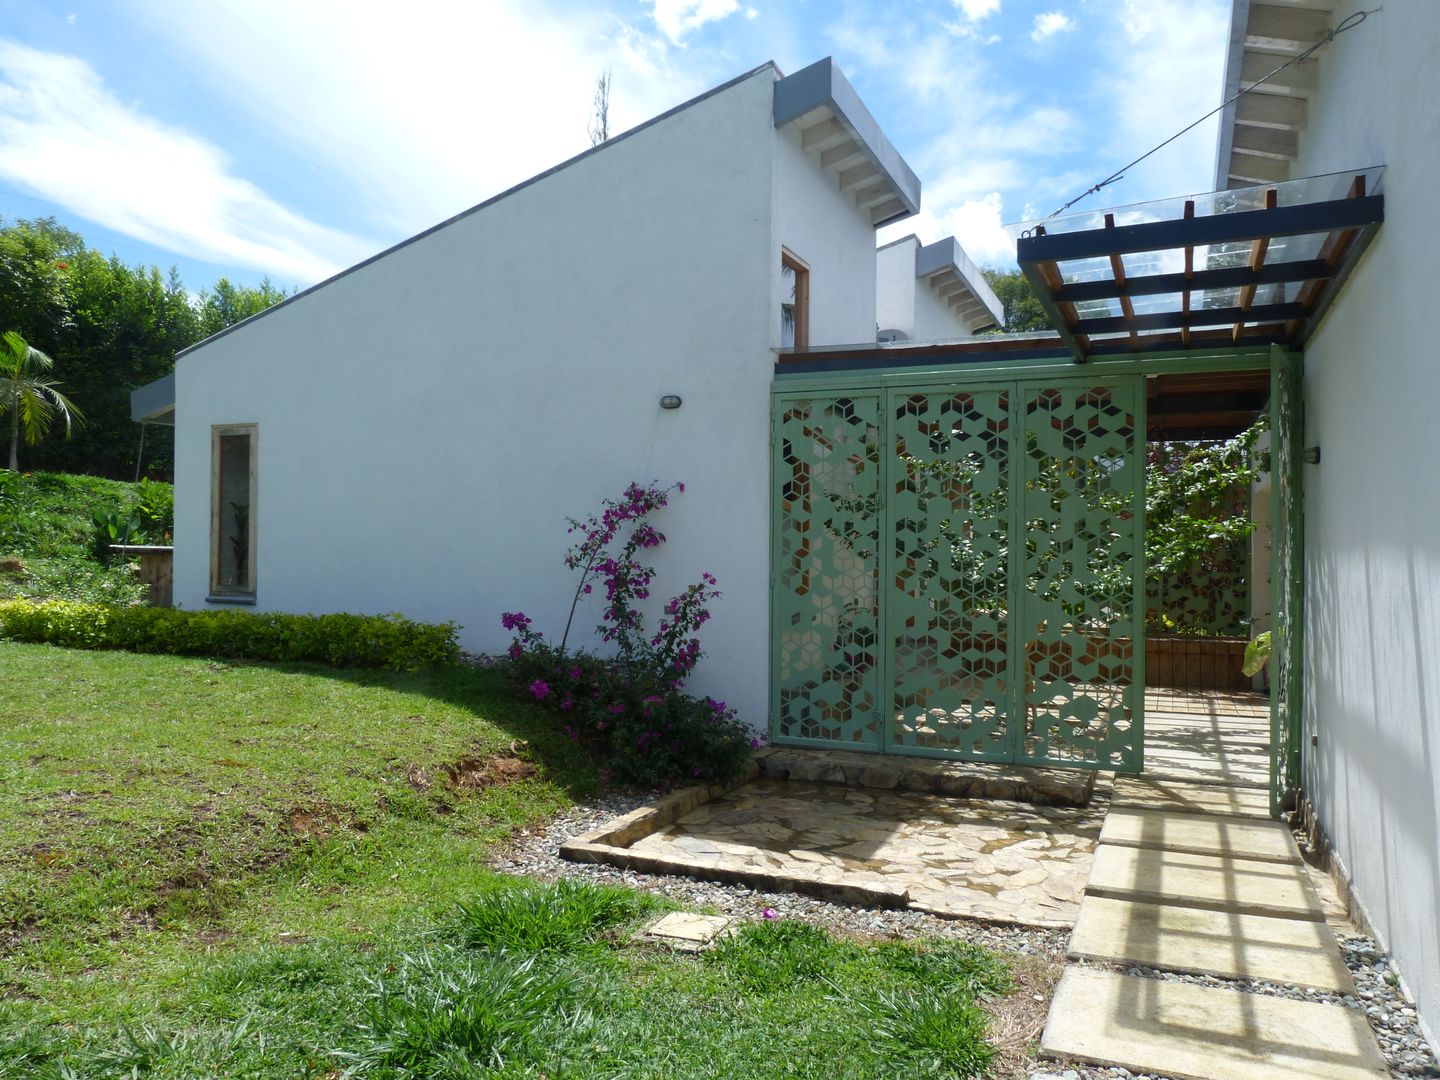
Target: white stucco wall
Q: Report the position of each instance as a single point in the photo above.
(935, 320)
(822, 225)
(1372, 510)
(427, 422)
(895, 286)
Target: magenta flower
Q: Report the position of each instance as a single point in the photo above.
(539, 689)
(769, 913)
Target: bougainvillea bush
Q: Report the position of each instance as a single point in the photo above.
(628, 706)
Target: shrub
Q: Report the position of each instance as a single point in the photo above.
(629, 708)
(386, 641)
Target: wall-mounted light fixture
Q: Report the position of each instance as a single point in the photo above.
(1311, 455)
(671, 401)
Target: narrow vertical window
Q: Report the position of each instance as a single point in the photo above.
(232, 512)
(794, 302)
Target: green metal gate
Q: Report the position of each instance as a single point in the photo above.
(958, 570)
(1287, 441)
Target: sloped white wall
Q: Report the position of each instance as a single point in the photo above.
(427, 422)
(934, 320)
(1372, 511)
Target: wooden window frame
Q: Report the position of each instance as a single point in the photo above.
(802, 295)
(221, 593)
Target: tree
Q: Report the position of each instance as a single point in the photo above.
(31, 400)
(228, 304)
(1023, 313)
(600, 114)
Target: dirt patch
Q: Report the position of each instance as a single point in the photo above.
(1018, 1018)
(314, 823)
(11, 565)
(476, 774)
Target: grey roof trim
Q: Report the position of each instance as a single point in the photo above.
(823, 84)
(1234, 57)
(154, 403)
(768, 65)
(947, 254)
(907, 238)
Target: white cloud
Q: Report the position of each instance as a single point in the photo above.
(430, 114)
(976, 223)
(676, 18)
(64, 135)
(1050, 23)
(1163, 71)
(977, 9)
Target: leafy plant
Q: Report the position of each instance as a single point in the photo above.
(565, 916)
(772, 956)
(380, 641)
(443, 1015)
(629, 708)
(31, 399)
(1257, 654)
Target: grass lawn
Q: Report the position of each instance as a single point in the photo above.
(212, 869)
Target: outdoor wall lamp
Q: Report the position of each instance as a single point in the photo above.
(671, 401)
(1311, 455)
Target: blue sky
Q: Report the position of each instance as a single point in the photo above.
(295, 137)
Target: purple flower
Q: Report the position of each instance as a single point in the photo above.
(515, 651)
(769, 913)
(539, 689)
(754, 744)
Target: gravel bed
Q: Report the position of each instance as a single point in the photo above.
(535, 853)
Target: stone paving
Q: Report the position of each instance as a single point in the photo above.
(998, 861)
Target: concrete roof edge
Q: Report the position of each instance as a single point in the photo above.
(1229, 87)
(151, 401)
(768, 65)
(947, 254)
(823, 83)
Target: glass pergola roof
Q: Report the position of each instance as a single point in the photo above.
(1246, 266)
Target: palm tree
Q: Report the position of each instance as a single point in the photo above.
(28, 396)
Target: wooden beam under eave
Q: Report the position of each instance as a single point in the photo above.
(1331, 252)
(854, 177)
(1050, 274)
(825, 135)
(839, 158)
(1117, 269)
(1189, 276)
(1258, 248)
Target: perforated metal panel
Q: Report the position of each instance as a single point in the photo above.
(949, 526)
(826, 578)
(1082, 567)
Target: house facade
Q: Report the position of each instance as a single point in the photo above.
(412, 434)
(931, 292)
(1370, 721)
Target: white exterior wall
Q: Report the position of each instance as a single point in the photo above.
(427, 422)
(895, 286)
(821, 224)
(1372, 509)
(935, 320)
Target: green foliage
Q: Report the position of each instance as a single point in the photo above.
(770, 957)
(388, 641)
(566, 916)
(958, 965)
(1257, 654)
(443, 1015)
(111, 328)
(1023, 313)
(227, 304)
(930, 1029)
(29, 398)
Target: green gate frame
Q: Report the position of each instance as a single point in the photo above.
(964, 373)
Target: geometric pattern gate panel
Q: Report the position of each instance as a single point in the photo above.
(948, 520)
(1081, 601)
(826, 606)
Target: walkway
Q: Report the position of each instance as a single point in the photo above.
(1191, 877)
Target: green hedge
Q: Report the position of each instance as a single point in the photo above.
(387, 641)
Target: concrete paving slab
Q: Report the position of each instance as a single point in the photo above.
(1150, 793)
(1208, 881)
(1202, 942)
(1200, 834)
(686, 930)
(1203, 1033)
